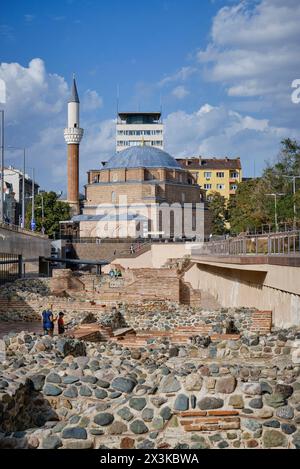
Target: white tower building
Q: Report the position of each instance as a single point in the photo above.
(139, 128)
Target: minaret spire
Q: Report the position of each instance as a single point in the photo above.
(73, 135)
(74, 98)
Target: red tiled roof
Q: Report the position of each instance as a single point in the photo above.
(210, 163)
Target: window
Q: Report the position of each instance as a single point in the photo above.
(207, 174)
(233, 187)
(207, 186)
(220, 174)
(183, 197)
(115, 177)
(113, 197)
(234, 174)
(220, 186)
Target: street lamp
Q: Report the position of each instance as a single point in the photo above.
(2, 169)
(23, 182)
(275, 195)
(32, 204)
(294, 192)
(42, 207)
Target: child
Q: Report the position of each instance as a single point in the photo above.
(60, 323)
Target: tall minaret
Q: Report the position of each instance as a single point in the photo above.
(73, 135)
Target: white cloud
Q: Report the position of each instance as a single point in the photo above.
(182, 75)
(180, 92)
(217, 131)
(35, 116)
(91, 100)
(254, 51)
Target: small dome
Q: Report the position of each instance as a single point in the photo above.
(142, 157)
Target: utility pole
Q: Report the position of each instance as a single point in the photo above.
(275, 195)
(2, 169)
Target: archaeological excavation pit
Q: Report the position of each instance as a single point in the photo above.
(156, 374)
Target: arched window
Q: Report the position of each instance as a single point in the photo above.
(113, 197)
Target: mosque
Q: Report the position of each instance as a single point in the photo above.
(140, 192)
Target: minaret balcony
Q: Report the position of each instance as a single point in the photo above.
(73, 135)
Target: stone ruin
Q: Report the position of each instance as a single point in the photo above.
(156, 374)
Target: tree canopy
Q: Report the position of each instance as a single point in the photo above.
(55, 210)
(253, 204)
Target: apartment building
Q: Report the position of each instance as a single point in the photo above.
(215, 174)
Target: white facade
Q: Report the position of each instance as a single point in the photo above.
(135, 129)
(14, 177)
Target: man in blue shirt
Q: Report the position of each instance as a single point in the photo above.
(48, 321)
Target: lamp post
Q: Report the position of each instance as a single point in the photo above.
(32, 200)
(2, 168)
(275, 195)
(293, 178)
(43, 213)
(23, 181)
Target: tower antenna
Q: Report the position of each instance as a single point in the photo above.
(118, 99)
(160, 106)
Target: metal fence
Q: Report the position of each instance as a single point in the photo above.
(10, 267)
(283, 243)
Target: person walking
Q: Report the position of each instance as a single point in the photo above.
(48, 321)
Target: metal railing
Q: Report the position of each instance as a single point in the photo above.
(10, 267)
(281, 243)
(91, 240)
(18, 229)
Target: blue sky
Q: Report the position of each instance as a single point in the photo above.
(130, 43)
(223, 70)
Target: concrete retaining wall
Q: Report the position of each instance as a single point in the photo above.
(30, 246)
(27, 244)
(243, 288)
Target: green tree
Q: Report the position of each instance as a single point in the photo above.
(247, 209)
(55, 210)
(217, 207)
(279, 179)
(252, 205)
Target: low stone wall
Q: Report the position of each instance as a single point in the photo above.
(167, 316)
(170, 401)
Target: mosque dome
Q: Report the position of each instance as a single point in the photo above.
(142, 156)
